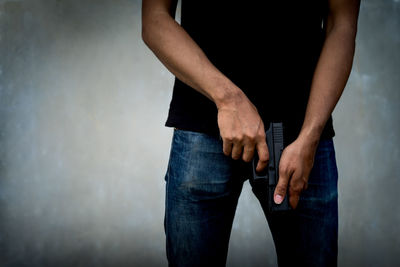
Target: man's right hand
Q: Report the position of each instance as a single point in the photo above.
(240, 125)
(242, 131)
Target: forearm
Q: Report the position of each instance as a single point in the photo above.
(330, 78)
(185, 59)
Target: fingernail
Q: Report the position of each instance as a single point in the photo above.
(278, 199)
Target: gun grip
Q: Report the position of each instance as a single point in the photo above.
(284, 206)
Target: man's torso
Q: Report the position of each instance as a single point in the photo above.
(269, 50)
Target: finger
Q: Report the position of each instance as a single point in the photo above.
(263, 155)
(248, 152)
(227, 147)
(281, 187)
(237, 150)
(294, 199)
(296, 186)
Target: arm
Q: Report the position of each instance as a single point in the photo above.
(330, 77)
(180, 54)
(333, 68)
(240, 125)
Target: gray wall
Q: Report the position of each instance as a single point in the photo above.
(83, 149)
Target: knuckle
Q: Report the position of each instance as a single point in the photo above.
(228, 138)
(235, 155)
(238, 137)
(283, 168)
(249, 148)
(246, 159)
(264, 157)
(296, 189)
(280, 190)
(250, 136)
(235, 139)
(261, 135)
(247, 135)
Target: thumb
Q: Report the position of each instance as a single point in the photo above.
(281, 187)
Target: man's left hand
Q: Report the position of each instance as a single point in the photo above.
(295, 165)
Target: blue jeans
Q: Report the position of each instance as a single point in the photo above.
(203, 186)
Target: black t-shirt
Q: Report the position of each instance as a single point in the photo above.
(269, 49)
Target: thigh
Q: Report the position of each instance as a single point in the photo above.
(202, 189)
(308, 236)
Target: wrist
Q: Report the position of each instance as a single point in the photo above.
(227, 96)
(310, 135)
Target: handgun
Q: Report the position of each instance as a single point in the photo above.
(267, 179)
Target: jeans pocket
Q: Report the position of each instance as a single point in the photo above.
(198, 167)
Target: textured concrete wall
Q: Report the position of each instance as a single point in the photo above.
(83, 149)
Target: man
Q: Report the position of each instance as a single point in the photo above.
(238, 66)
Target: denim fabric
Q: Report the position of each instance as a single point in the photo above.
(202, 190)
